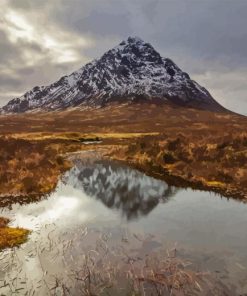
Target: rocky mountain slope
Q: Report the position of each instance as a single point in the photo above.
(131, 71)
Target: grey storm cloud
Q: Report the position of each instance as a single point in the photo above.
(8, 52)
(43, 40)
(209, 28)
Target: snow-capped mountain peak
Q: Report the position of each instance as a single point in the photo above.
(132, 69)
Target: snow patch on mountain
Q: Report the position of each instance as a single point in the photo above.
(131, 69)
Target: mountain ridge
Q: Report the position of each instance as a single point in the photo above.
(132, 70)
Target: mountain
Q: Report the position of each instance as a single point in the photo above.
(131, 71)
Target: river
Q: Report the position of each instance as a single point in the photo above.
(106, 209)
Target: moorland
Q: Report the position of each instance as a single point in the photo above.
(184, 146)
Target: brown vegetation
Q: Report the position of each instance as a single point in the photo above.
(119, 269)
(28, 169)
(11, 237)
(211, 163)
(187, 147)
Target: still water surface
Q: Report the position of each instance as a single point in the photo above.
(98, 198)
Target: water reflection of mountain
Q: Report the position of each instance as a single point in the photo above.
(119, 187)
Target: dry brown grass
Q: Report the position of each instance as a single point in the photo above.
(118, 269)
(11, 237)
(212, 162)
(134, 118)
(201, 149)
(161, 273)
(28, 169)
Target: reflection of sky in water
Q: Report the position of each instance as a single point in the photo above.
(47, 212)
(89, 193)
(67, 206)
(102, 196)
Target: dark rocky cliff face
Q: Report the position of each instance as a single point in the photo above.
(130, 71)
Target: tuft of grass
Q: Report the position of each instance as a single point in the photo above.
(11, 237)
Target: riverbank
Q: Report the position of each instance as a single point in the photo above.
(173, 179)
(185, 147)
(28, 170)
(37, 166)
(32, 164)
(210, 164)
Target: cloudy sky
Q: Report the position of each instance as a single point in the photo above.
(42, 40)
